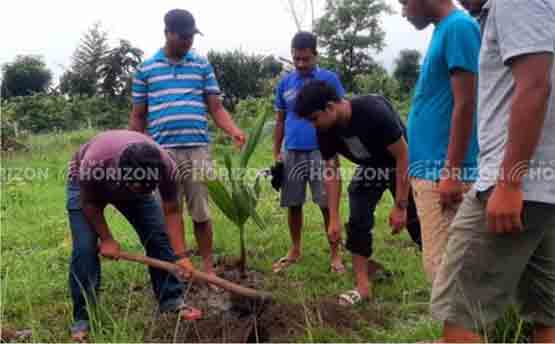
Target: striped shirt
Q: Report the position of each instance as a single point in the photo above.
(174, 94)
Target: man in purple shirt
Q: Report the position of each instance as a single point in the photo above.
(123, 168)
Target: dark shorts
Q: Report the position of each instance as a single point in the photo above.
(364, 196)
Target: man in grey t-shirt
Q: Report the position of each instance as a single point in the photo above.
(502, 241)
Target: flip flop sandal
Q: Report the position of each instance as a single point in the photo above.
(283, 263)
(350, 298)
(188, 313)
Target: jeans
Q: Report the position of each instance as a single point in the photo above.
(364, 195)
(145, 214)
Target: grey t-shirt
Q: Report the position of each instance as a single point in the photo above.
(514, 28)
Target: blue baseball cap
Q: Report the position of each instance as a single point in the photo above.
(181, 22)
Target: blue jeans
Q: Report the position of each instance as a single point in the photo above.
(145, 215)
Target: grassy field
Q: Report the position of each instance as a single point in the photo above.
(36, 246)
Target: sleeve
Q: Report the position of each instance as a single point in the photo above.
(327, 145)
(463, 46)
(140, 87)
(280, 104)
(336, 83)
(210, 85)
(388, 122)
(524, 27)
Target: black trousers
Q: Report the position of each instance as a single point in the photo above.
(365, 192)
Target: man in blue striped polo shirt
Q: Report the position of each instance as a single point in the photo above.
(301, 156)
(172, 94)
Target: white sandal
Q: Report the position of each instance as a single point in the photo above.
(350, 298)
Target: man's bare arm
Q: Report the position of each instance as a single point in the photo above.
(175, 227)
(332, 182)
(463, 84)
(279, 133)
(399, 150)
(138, 118)
(219, 114)
(531, 75)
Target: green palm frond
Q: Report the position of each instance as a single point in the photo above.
(223, 199)
(240, 204)
(253, 140)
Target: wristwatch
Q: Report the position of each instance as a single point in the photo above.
(402, 204)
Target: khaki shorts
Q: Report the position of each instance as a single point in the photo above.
(482, 273)
(434, 222)
(192, 165)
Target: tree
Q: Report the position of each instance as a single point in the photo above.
(241, 75)
(238, 200)
(349, 32)
(117, 68)
(298, 8)
(24, 76)
(379, 82)
(407, 69)
(83, 77)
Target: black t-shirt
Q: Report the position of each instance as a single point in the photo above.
(374, 125)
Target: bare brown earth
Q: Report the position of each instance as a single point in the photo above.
(234, 320)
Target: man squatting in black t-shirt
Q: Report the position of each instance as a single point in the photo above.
(369, 132)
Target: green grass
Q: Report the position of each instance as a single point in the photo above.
(36, 247)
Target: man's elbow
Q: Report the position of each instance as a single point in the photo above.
(402, 157)
(279, 126)
(542, 86)
(538, 89)
(465, 106)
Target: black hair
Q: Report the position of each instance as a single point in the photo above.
(314, 96)
(142, 163)
(304, 40)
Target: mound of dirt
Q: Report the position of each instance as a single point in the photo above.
(229, 319)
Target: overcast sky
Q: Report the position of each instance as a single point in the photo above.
(53, 28)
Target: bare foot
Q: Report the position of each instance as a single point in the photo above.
(189, 313)
(337, 266)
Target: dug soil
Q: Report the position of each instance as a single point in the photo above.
(227, 318)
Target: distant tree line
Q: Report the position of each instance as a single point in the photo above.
(95, 90)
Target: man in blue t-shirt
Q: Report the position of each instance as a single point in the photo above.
(442, 140)
(300, 154)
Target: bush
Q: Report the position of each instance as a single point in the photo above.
(380, 83)
(41, 113)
